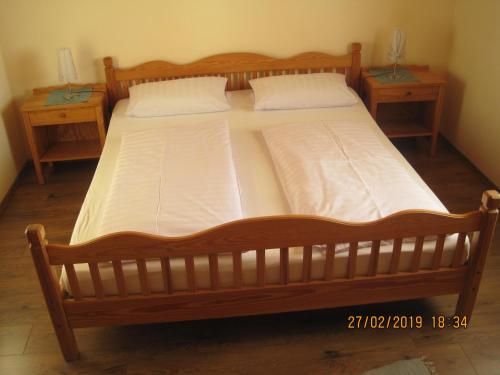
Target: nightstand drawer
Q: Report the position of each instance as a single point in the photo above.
(62, 116)
(408, 94)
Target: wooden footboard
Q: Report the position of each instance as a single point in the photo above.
(261, 234)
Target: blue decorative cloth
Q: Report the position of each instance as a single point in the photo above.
(80, 95)
(386, 75)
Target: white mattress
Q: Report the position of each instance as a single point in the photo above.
(260, 190)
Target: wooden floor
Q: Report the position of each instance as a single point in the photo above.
(299, 343)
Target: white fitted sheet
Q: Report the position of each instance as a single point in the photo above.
(260, 194)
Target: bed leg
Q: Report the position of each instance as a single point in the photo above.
(467, 298)
(51, 291)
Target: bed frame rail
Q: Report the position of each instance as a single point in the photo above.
(259, 235)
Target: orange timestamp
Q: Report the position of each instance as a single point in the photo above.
(405, 322)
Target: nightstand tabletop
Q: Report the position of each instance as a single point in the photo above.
(37, 102)
(424, 78)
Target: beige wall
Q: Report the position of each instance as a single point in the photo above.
(181, 31)
(12, 153)
(472, 121)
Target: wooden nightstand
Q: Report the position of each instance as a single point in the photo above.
(67, 131)
(407, 109)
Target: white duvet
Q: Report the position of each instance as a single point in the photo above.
(173, 181)
(340, 169)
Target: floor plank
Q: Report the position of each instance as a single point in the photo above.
(13, 339)
(484, 354)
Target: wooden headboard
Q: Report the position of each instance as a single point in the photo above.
(239, 68)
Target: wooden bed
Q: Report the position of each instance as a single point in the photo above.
(260, 234)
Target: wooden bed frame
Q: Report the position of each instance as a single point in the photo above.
(259, 234)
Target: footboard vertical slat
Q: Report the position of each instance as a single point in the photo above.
(143, 277)
(306, 263)
(351, 263)
(396, 254)
(120, 279)
(438, 251)
(284, 265)
(237, 270)
(191, 277)
(167, 274)
(329, 261)
(73, 281)
(374, 256)
(261, 267)
(458, 255)
(214, 270)
(417, 254)
(96, 280)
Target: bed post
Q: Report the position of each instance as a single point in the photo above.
(35, 234)
(489, 207)
(356, 66)
(111, 83)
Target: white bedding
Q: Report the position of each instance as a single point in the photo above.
(260, 192)
(342, 170)
(173, 181)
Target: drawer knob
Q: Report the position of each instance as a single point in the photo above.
(62, 115)
(408, 93)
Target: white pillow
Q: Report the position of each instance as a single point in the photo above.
(313, 90)
(178, 96)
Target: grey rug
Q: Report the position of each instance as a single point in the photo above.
(416, 366)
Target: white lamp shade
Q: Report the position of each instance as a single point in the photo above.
(67, 71)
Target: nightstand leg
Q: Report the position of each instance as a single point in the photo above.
(436, 120)
(373, 108)
(101, 126)
(34, 149)
(39, 171)
(434, 142)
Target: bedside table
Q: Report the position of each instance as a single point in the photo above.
(407, 109)
(67, 131)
